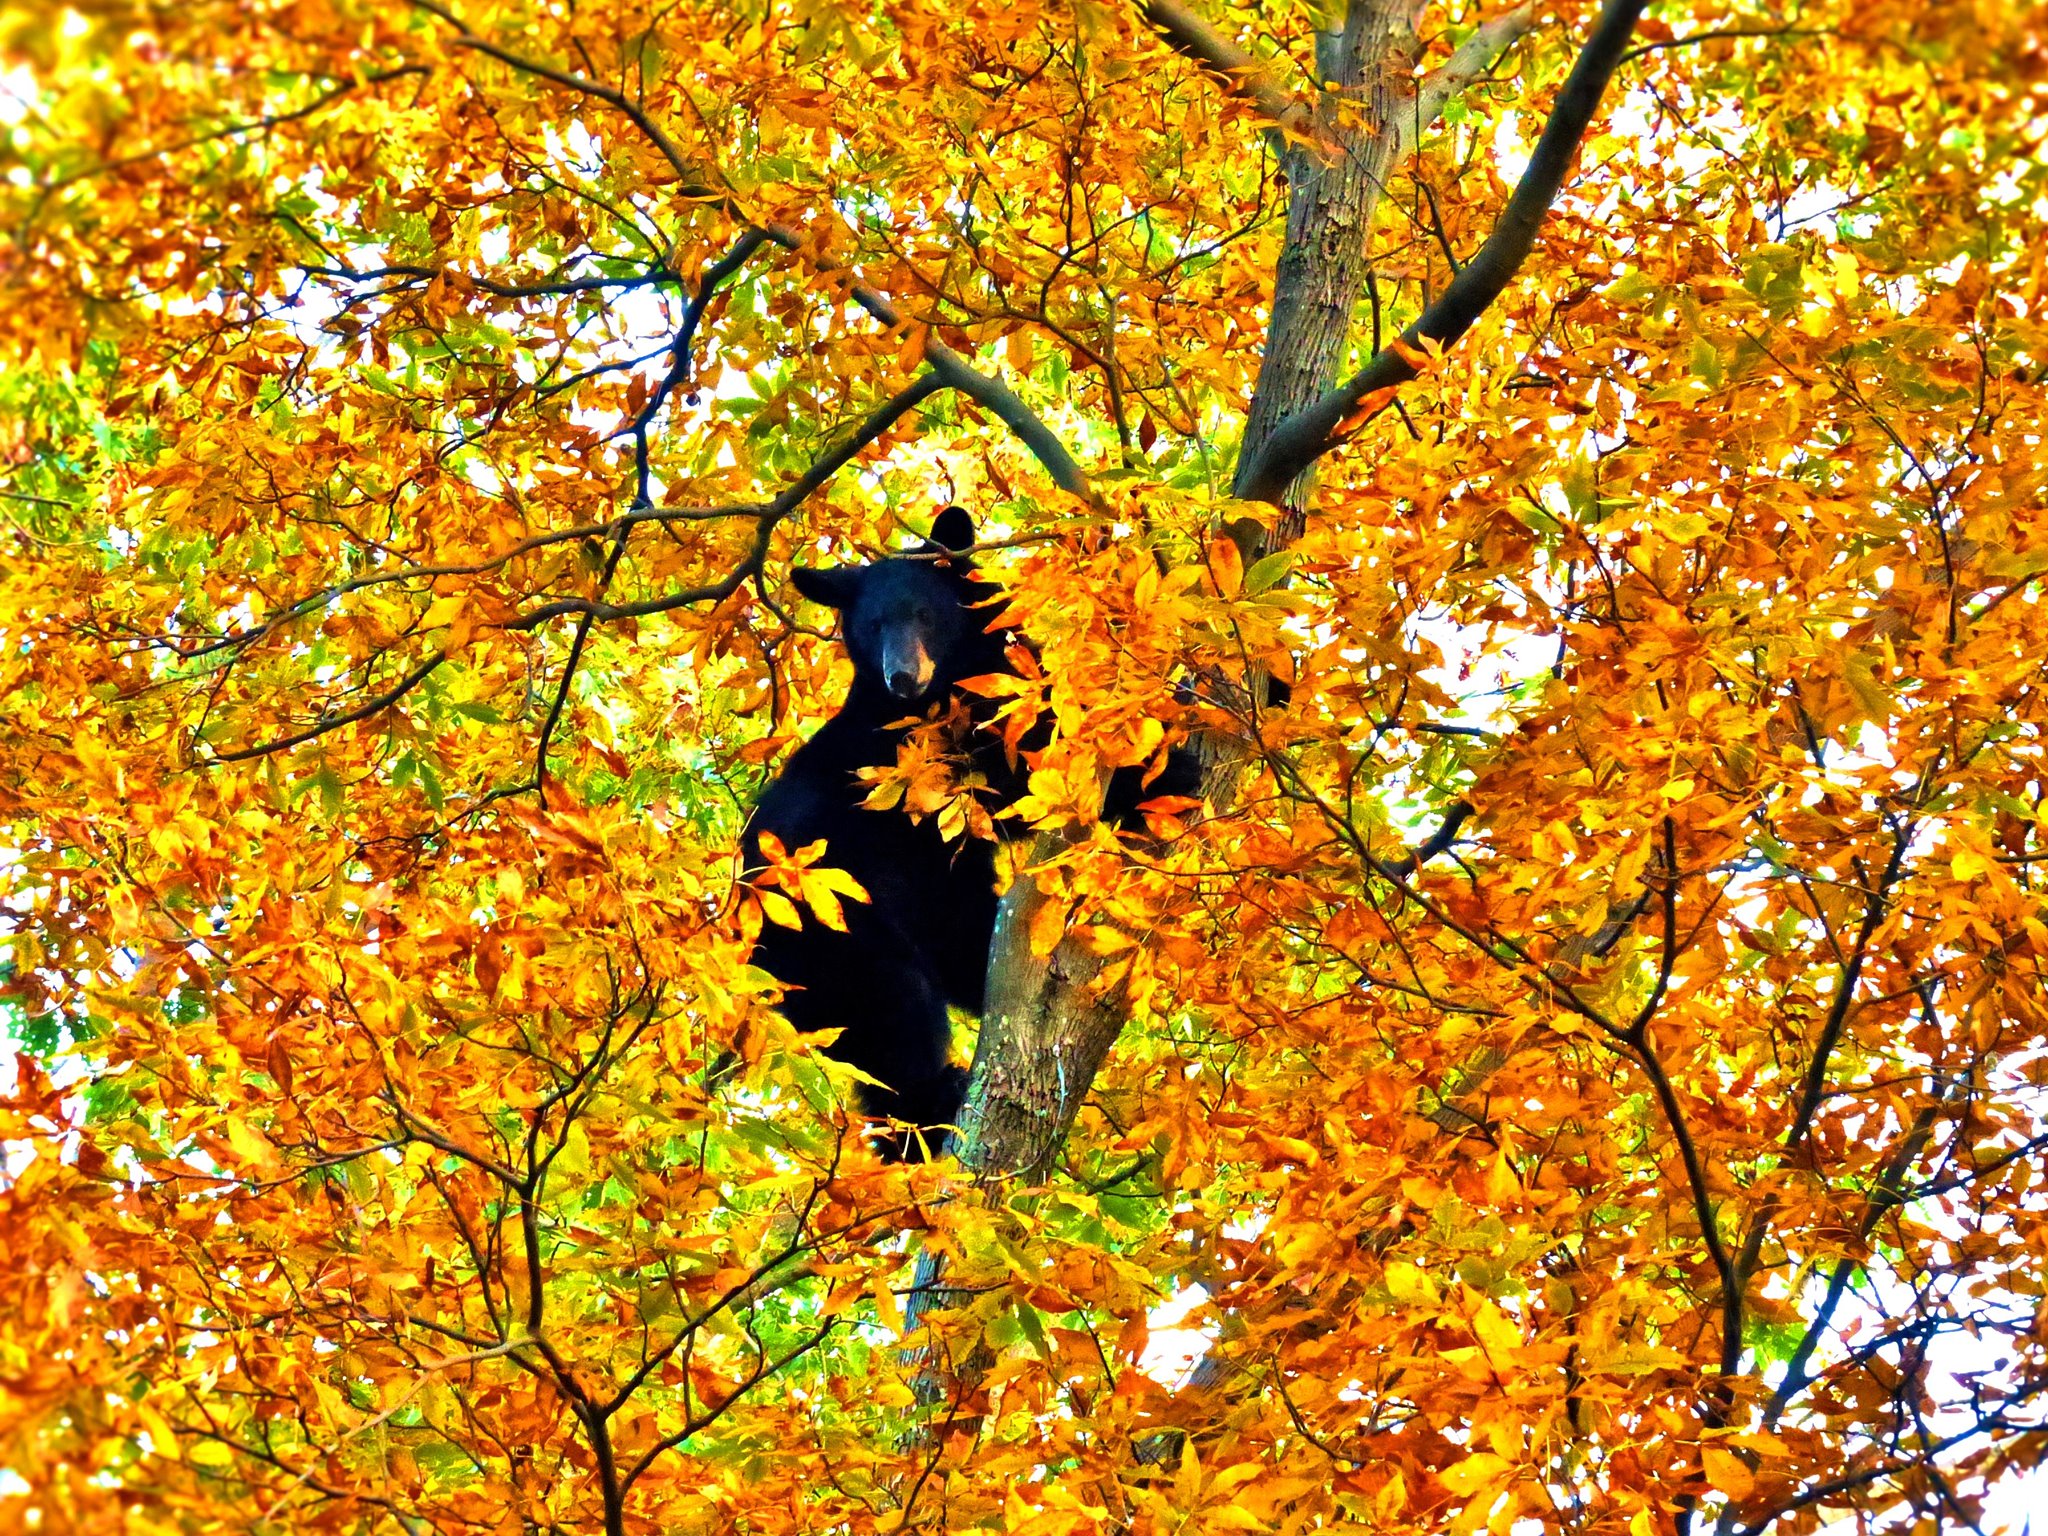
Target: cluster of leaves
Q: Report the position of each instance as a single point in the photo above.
(1588, 1067)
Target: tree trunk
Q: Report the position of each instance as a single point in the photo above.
(1047, 1029)
(1334, 183)
(1044, 1034)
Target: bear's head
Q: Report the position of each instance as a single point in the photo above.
(911, 621)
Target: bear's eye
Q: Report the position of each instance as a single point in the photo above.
(924, 615)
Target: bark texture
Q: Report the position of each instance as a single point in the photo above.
(1333, 191)
(1043, 1038)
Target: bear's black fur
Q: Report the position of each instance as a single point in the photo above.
(914, 628)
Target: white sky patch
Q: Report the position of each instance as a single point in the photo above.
(17, 90)
(1510, 149)
(1172, 1350)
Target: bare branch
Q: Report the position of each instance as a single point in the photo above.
(1726, 34)
(575, 658)
(714, 278)
(1889, 1192)
(765, 1367)
(528, 545)
(680, 364)
(494, 287)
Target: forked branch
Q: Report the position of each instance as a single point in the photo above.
(1309, 433)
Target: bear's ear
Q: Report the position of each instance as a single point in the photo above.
(953, 529)
(833, 588)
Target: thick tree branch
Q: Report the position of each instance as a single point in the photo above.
(1242, 75)
(1876, 904)
(1471, 59)
(327, 723)
(992, 394)
(1001, 402)
(1332, 200)
(493, 286)
(1308, 434)
(1455, 816)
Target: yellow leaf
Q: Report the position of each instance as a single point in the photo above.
(162, 1439)
(1187, 1481)
(1475, 1472)
(209, 1453)
(989, 685)
(834, 879)
(1101, 939)
(779, 909)
(824, 905)
(1500, 1336)
(1846, 282)
(1232, 1517)
(888, 1310)
(1235, 1476)
(1503, 1184)
(1392, 1499)
(442, 611)
(1407, 1283)
(573, 1160)
(1048, 922)
(1226, 564)
(1728, 1474)
(249, 1144)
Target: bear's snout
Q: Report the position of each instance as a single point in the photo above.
(907, 669)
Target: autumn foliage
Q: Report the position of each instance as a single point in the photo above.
(1580, 1067)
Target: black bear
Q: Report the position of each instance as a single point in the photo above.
(914, 626)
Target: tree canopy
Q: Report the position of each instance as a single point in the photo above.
(1580, 1064)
